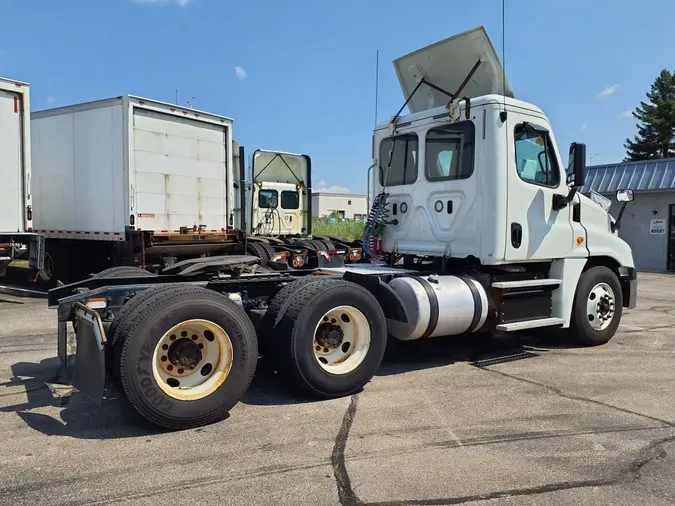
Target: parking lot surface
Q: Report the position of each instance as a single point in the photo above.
(565, 426)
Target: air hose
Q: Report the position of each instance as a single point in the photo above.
(375, 224)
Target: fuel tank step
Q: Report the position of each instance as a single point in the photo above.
(526, 283)
(530, 324)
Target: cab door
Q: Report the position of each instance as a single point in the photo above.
(535, 174)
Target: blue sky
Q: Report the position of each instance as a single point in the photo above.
(299, 75)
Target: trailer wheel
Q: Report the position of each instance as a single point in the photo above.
(188, 358)
(122, 271)
(331, 337)
(597, 308)
(48, 271)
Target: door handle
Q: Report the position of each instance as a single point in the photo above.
(516, 235)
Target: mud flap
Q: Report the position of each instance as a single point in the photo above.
(89, 370)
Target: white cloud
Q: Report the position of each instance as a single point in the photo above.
(584, 125)
(626, 114)
(179, 3)
(240, 73)
(325, 186)
(610, 90)
(51, 100)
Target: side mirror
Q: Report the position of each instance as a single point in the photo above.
(576, 168)
(624, 195)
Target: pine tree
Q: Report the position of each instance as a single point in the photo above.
(656, 128)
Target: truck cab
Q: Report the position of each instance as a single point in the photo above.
(474, 180)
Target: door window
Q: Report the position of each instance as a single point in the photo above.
(449, 151)
(536, 162)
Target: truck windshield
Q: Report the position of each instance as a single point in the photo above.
(403, 168)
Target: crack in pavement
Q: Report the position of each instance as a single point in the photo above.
(580, 398)
(346, 494)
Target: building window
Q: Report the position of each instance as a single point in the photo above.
(268, 199)
(402, 168)
(290, 199)
(536, 162)
(449, 151)
(349, 202)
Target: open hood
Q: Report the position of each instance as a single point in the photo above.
(447, 64)
(278, 167)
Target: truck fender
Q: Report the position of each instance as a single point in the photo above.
(389, 300)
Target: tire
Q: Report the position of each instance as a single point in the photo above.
(586, 328)
(160, 318)
(122, 271)
(261, 250)
(300, 310)
(328, 245)
(123, 322)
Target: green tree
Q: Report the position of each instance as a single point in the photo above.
(656, 128)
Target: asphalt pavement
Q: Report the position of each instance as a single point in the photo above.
(443, 422)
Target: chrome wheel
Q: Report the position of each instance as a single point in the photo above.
(192, 360)
(341, 340)
(600, 306)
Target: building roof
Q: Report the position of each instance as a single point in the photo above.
(345, 195)
(649, 175)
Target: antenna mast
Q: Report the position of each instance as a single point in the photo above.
(377, 81)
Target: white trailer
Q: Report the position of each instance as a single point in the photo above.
(15, 176)
(130, 181)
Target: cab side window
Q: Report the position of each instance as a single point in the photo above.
(449, 151)
(536, 162)
(398, 160)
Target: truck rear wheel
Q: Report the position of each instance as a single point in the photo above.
(123, 271)
(330, 338)
(261, 250)
(597, 308)
(188, 357)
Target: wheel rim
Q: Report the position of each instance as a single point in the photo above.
(341, 340)
(600, 306)
(192, 359)
(47, 271)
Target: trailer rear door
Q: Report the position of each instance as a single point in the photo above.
(180, 172)
(11, 163)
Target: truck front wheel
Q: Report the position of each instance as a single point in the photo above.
(331, 337)
(598, 305)
(188, 357)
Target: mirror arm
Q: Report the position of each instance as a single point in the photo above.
(617, 224)
(560, 202)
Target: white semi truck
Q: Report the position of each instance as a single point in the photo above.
(486, 233)
(17, 240)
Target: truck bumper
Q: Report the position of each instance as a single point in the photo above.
(628, 280)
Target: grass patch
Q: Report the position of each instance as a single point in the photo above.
(342, 229)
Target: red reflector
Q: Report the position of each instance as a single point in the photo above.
(196, 115)
(106, 233)
(16, 104)
(222, 121)
(141, 102)
(18, 85)
(173, 109)
(30, 229)
(132, 220)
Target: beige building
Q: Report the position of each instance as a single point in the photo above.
(347, 205)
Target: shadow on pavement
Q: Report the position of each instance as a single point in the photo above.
(79, 418)
(115, 418)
